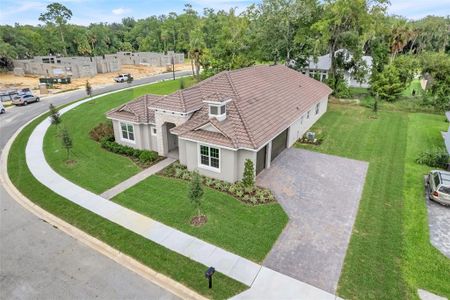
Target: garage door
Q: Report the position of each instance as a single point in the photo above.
(279, 144)
(261, 160)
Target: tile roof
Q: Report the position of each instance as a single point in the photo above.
(265, 101)
(136, 111)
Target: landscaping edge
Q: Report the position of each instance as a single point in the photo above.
(142, 270)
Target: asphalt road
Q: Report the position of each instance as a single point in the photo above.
(38, 261)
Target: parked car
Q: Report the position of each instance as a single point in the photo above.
(2, 108)
(24, 99)
(439, 186)
(122, 77)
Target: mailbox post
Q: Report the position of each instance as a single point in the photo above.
(208, 274)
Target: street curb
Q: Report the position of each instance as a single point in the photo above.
(101, 247)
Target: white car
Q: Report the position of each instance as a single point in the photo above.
(2, 108)
(439, 186)
(24, 99)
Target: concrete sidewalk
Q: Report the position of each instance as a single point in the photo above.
(115, 190)
(227, 263)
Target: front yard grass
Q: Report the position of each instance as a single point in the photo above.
(97, 169)
(246, 230)
(158, 258)
(389, 255)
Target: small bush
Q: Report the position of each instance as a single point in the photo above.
(102, 131)
(436, 157)
(141, 156)
(147, 156)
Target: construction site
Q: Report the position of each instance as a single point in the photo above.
(98, 70)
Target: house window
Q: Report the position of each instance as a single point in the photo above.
(127, 131)
(217, 110)
(301, 119)
(209, 157)
(307, 114)
(317, 108)
(154, 131)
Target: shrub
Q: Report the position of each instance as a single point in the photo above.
(186, 175)
(179, 173)
(102, 131)
(249, 173)
(147, 156)
(436, 157)
(209, 182)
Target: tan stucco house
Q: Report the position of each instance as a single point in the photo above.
(214, 126)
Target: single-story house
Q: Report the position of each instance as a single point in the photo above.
(319, 69)
(213, 127)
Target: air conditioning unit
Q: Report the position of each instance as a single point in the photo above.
(311, 136)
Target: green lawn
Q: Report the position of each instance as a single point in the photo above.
(389, 255)
(96, 169)
(160, 259)
(249, 231)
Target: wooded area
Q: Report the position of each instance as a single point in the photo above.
(272, 31)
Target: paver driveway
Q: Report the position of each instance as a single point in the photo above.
(320, 193)
(439, 225)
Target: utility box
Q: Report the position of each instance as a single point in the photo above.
(43, 89)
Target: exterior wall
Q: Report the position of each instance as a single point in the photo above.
(143, 138)
(299, 127)
(242, 155)
(150, 58)
(189, 156)
(161, 119)
(231, 162)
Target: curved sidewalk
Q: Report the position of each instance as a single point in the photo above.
(265, 283)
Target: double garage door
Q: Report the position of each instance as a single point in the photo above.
(278, 145)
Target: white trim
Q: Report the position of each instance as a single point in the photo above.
(217, 102)
(121, 133)
(209, 144)
(209, 168)
(209, 124)
(132, 122)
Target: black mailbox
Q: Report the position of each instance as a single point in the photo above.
(208, 274)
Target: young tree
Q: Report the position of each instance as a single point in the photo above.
(182, 84)
(57, 14)
(387, 84)
(248, 178)
(88, 88)
(195, 193)
(55, 118)
(67, 142)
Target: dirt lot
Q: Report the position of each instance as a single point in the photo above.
(8, 81)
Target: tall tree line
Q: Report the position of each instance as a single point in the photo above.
(274, 30)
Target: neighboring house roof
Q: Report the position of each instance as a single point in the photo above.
(324, 62)
(136, 111)
(265, 100)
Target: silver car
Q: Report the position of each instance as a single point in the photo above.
(439, 186)
(24, 99)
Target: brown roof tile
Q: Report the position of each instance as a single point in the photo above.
(265, 101)
(136, 110)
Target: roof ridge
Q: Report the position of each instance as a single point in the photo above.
(183, 102)
(239, 111)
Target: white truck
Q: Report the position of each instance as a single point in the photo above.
(122, 77)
